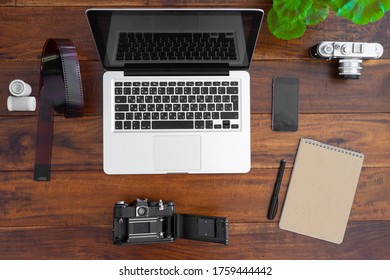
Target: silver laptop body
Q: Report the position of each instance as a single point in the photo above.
(176, 93)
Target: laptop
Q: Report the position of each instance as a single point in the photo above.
(176, 91)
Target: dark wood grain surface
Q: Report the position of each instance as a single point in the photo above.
(70, 217)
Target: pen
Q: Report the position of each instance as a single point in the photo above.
(273, 206)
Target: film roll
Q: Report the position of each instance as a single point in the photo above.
(19, 88)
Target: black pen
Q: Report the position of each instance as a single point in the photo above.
(273, 206)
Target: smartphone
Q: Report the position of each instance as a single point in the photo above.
(285, 103)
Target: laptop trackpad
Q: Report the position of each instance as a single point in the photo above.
(177, 153)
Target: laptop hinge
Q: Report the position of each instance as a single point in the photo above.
(176, 69)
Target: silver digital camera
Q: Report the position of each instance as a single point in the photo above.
(350, 54)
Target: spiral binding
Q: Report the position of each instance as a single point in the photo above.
(333, 148)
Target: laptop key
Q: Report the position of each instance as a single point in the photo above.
(189, 115)
(235, 102)
(198, 115)
(127, 124)
(232, 90)
(172, 124)
(199, 124)
(172, 116)
(142, 107)
(144, 90)
(229, 115)
(121, 107)
(136, 124)
(145, 124)
(215, 115)
(118, 91)
(118, 125)
(119, 116)
(127, 90)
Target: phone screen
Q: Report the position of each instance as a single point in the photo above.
(285, 103)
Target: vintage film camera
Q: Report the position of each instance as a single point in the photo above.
(143, 222)
(350, 55)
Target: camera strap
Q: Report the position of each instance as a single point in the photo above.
(61, 91)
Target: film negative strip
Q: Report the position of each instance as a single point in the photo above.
(61, 91)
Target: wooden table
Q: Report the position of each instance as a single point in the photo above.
(70, 217)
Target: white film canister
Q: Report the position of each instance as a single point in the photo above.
(19, 88)
(24, 103)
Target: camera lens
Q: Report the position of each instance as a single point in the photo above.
(142, 211)
(350, 68)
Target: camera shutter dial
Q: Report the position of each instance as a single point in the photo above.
(328, 49)
(346, 49)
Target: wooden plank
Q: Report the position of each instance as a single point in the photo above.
(78, 143)
(145, 3)
(7, 2)
(73, 19)
(321, 90)
(363, 240)
(88, 197)
(43, 23)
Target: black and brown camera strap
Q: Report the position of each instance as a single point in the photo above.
(61, 91)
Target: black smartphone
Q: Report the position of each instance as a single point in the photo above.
(285, 103)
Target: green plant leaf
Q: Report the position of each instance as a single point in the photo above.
(360, 11)
(285, 28)
(318, 12)
(292, 9)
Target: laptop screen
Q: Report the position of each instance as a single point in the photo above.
(224, 38)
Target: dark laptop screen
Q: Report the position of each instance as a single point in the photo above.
(224, 37)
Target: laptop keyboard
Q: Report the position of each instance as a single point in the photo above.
(176, 46)
(191, 105)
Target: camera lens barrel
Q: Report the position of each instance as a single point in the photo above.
(350, 68)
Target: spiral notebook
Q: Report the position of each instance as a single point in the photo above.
(321, 190)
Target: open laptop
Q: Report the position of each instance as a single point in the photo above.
(176, 93)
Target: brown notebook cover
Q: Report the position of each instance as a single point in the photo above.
(321, 190)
